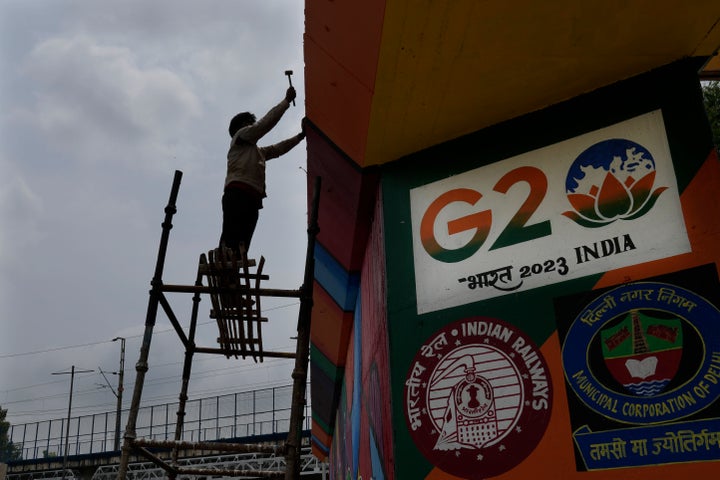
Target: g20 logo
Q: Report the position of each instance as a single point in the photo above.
(516, 231)
(612, 180)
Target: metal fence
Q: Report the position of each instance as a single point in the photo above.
(237, 415)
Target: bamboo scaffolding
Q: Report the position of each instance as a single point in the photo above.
(235, 295)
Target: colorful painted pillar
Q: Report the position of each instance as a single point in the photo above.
(513, 290)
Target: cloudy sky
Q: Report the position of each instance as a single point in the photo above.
(100, 102)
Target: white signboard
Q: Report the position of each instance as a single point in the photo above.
(597, 202)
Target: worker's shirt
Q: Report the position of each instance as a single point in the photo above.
(246, 161)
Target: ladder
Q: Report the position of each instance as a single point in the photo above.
(234, 286)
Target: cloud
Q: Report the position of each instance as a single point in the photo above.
(21, 210)
(98, 102)
(101, 102)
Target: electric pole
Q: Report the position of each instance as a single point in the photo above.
(67, 427)
(121, 374)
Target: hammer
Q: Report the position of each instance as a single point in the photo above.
(289, 73)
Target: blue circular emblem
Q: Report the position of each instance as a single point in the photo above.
(618, 156)
(610, 181)
(645, 352)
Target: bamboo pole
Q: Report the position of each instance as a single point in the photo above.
(299, 374)
(142, 365)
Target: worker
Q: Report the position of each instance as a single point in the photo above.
(245, 180)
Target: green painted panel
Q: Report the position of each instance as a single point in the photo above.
(672, 92)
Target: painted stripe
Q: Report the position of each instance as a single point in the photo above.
(320, 423)
(340, 285)
(321, 361)
(317, 443)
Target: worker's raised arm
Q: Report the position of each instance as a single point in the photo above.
(281, 148)
(252, 133)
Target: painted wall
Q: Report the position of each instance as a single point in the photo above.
(362, 441)
(553, 294)
(346, 205)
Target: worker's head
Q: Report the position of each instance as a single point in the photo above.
(239, 121)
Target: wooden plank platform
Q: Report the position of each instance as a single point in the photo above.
(235, 298)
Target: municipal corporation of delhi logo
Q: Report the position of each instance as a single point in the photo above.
(478, 397)
(644, 353)
(611, 180)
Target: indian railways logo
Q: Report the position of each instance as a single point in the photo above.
(645, 352)
(611, 180)
(478, 397)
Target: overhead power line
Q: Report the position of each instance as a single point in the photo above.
(268, 364)
(164, 380)
(55, 349)
(99, 342)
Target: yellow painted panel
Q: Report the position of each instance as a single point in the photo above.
(448, 68)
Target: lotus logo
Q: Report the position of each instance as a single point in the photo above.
(611, 180)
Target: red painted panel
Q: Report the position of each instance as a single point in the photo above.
(331, 85)
(349, 33)
(342, 44)
(330, 328)
(376, 419)
(345, 202)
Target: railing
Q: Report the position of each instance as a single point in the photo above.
(238, 415)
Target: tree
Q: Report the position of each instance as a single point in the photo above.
(8, 450)
(711, 98)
